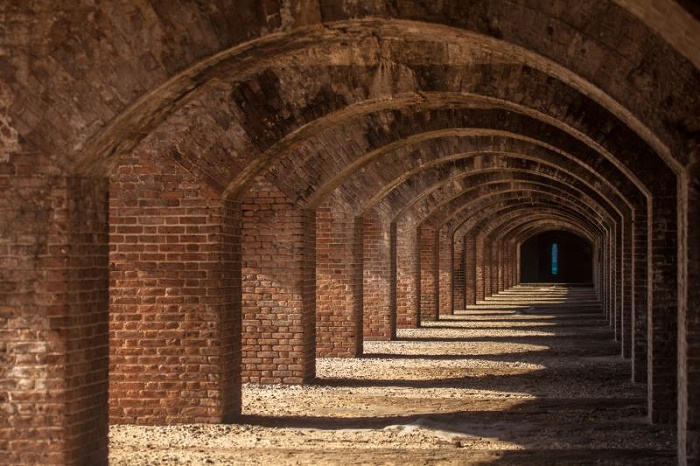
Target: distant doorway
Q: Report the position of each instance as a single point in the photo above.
(556, 257)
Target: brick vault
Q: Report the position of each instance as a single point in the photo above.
(199, 194)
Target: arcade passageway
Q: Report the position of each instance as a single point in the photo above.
(197, 197)
(529, 376)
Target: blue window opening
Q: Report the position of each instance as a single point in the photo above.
(555, 259)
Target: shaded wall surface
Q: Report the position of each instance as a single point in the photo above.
(573, 261)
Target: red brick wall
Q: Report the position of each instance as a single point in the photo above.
(87, 362)
(379, 321)
(174, 296)
(407, 275)
(482, 269)
(429, 286)
(445, 294)
(471, 269)
(338, 282)
(627, 291)
(279, 288)
(496, 268)
(458, 273)
(53, 314)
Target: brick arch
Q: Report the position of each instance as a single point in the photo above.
(442, 168)
(53, 111)
(177, 60)
(465, 204)
(455, 159)
(443, 195)
(299, 135)
(617, 306)
(388, 130)
(510, 236)
(408, 307)
(520, 228)
(509, 213)
(619, 301)
(512, 215)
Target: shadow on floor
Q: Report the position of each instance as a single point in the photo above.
(554, 405)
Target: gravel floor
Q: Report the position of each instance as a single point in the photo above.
(528, 377)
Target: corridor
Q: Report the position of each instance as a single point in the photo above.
(531, 375)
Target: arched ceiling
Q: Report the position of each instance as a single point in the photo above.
(589, 108)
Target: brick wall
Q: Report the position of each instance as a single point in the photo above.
(689, 331)
(471, 269)
(486, 258)
(338, 281)
(53, 315)
(639, 312)
(445, 281)
(429, 284)
(662, 336)
(627, 288)
(407, 282)
(379, 321)
(279, 288)
(458, 273)
(86, 325)
(174, 296)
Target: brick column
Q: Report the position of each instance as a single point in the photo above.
(471, 270)
(429, 281)
(458, 273)
(689, 330)
(279, 289)
(53, 316)
(407, 283)
(497, 274)
(641, 297)
(338, 282)
(627, 290)
(174, 296)
(379, 321)
(516, 264)
(617, 283)
(607, 276)
(662, 355)
(445, 251)
(486, 266)
(511, 262)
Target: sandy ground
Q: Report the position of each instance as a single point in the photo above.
(531, 376)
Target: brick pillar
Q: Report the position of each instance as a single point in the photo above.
(174, 296)
(494, 266)
(662, 355)
(486, 267)
(407, 283)
(627, 290)
(279, 289)
(379, 321)
(500, 266)
(338, 282)
(617, 283)
(641, 297)
(471, 269)
(458, 277)
(689, 330)
(445, 251)
(510, 264)
(53, 316)
(516, 263)
(607, 251)
(429, 281)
